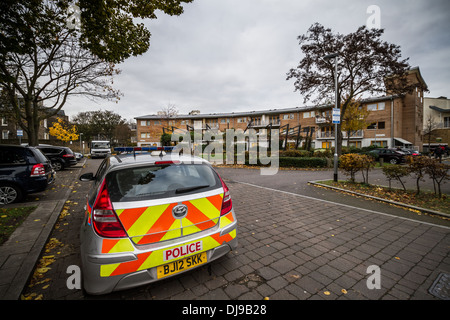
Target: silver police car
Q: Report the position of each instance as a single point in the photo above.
(150, 216)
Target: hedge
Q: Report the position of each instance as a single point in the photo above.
(299, 162)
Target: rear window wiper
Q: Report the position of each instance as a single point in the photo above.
(187, 189)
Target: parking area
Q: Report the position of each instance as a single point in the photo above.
(291, 247)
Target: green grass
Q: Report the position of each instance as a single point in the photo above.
(10, 219)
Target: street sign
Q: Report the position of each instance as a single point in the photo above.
(20, 133)
(336, 115)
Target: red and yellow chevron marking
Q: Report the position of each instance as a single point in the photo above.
(155, 258)
(156, 223)
(117, 245)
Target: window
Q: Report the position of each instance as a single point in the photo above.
(376, 106)
(4, 122)
(160, 181)
(12, 156)
(143, 122)
(157, 121)
(379, 143)
(288, 116)
(256, 121)
(274, 119)
(375, 125)
(446, 122)
(241, 120)
(355, 144)
(309, 114)
(326, 145)
(5, 134)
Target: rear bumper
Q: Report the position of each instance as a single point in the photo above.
(38, 184)
(127, 265)
(99, 154)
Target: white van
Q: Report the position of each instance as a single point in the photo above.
(100, 148)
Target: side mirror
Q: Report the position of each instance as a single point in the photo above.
(87, 177)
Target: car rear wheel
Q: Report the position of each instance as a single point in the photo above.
(9, 193)
(393, 161)
(58, 166)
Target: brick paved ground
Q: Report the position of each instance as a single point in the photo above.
(290, 247)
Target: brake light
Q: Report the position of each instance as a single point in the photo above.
(167, 162)
(68, 155)
(105, 219)
(38, 170)
(226, 202)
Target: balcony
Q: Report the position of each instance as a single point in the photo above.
(330, 135)
(359, 134)
(263, 124)
(322, 120)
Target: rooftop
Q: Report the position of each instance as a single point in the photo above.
(257, 112)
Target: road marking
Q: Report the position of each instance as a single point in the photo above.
(340, 204)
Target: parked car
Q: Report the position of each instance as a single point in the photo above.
(392, 156)
(409, 152)
(61, 157)
(149, 217)
(78, 156)
(23, 170)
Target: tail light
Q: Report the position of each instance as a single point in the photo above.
(105, 219)
(38, 170)
(226, 202)
(68, 155)
(167, 162)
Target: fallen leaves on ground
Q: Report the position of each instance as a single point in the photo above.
(42, 267)
(426, 200)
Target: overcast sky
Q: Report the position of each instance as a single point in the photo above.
(233, 55)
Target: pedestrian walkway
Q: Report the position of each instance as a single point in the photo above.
(291, 247)
(20, 253)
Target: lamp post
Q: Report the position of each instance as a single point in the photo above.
(335, 57)
(81, 150)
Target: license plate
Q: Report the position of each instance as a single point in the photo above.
(181, 265)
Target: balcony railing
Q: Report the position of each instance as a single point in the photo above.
(328, 135)
(263, 124)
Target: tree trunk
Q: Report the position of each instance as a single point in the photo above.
(32, 125)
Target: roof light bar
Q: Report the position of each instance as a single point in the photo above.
(133, 149)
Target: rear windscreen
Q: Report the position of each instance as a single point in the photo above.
(160, 181)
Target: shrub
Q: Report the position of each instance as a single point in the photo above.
(323, 153)
(351, 163)
(396, 172)
(303, 162)
(298, 162)
(417, 166)
(295, 153)
(439, 173)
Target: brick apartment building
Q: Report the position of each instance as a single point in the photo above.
(436, 124)
(394, 121)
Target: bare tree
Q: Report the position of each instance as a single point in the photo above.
(38, 81)
(366, 65)
(168, 113)
(429, 126)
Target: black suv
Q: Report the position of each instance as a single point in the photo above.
(392, 156)
(61, 157)
(23, 170)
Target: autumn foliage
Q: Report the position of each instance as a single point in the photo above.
(351, 163)
(63, 131)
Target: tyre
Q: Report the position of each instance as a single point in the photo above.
(58, 166)
(393, 161)
(10, 193)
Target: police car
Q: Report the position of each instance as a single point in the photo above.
(152, 215)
